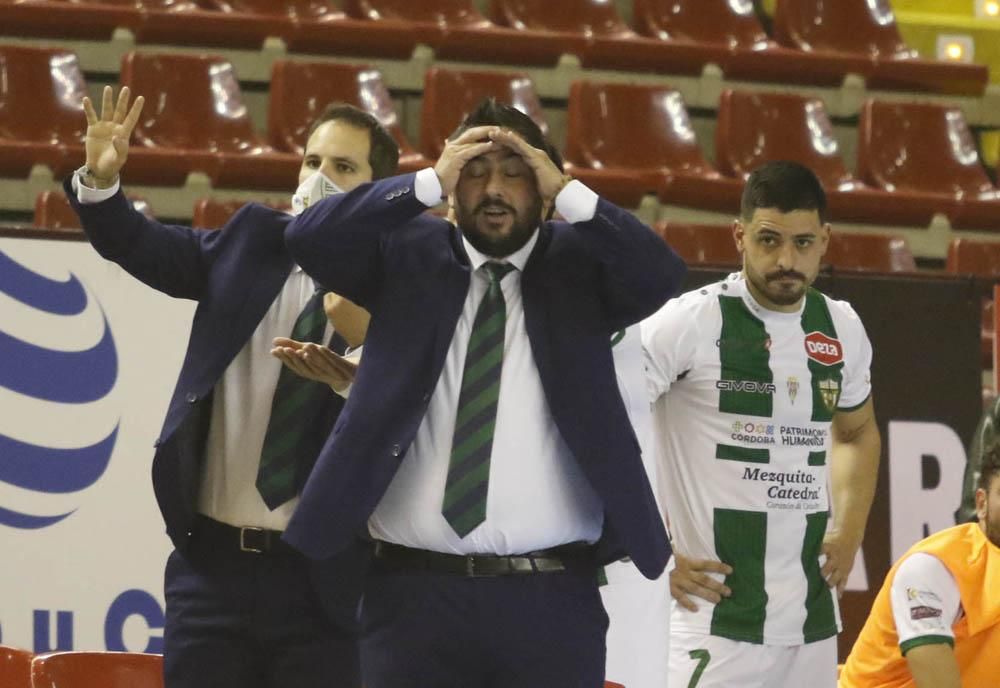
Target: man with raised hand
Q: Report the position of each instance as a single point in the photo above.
(243, 609)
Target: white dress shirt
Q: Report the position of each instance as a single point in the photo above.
(241, 407)
(538, 496)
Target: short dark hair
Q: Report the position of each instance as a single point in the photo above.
(783, 185)
(989, 467)
(491, 112)
(383, 155)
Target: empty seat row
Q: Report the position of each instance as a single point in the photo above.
(53, 211)
(914, 160)
(696, 243)
(815, 41)
(715, 245)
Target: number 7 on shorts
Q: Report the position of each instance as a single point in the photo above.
(703, 658)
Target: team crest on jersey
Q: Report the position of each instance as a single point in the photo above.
(829, 391)
(824, 350)
(793, 388)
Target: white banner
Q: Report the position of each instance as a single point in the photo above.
(88, 359)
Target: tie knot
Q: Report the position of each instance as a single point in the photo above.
(497, 271)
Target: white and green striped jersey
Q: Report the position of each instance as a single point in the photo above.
(743, 399)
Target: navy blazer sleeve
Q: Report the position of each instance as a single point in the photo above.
(169, 258)
(640, 271)
(339, 241)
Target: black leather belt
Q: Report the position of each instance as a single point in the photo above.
(390, 557)
(245, 539)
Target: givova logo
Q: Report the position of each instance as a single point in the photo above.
(58, 421)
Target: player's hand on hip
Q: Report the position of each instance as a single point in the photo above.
(470, 144)
(107, 137)
(839, 552)
(690, 578)
(550, 179)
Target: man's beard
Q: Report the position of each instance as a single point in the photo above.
(498, 246)
(780, 297)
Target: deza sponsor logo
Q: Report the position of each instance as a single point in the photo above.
(58, 369)
(823, 349)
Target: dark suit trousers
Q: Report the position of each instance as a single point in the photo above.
(425, 630)
(245, 620)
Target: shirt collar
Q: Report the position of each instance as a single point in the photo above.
(518, 259)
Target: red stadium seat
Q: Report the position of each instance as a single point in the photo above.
(867, 30)
(980, 259)
(97, 670)
(971, 257)
(210, 213)
(625, 141)
(60, 19)
(754, 128)
(869, 252)
(733, 29)
(594, 31)
(41, 117)
(15, 667)
(928, 151)
(701, 244)
(53, 211)
(237, 24)
(301, 90)
(450, 95)
(195, 120)
(458, 31)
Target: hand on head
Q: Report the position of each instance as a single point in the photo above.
(478, 141)
(108, 136)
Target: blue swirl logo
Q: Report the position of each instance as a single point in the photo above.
(58, 367)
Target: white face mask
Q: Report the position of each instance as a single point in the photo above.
(315, 188)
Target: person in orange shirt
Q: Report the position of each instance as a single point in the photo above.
(936, 620)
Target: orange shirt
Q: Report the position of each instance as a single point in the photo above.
(974, 562)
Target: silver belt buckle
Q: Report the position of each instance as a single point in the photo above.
(243, 543)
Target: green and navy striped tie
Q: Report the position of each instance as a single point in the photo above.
(469, 467)
(295, 398)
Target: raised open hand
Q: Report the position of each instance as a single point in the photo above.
(108, 135)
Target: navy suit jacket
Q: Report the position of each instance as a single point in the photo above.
(235, 274)
(582, 282)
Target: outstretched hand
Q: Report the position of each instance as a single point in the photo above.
(316, 362)
(108, 136)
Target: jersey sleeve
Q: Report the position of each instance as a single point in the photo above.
(925, 602)
(669, 339)
(857, 383)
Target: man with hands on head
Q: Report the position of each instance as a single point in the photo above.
(485, 446)
(243, 609)
(761, 391)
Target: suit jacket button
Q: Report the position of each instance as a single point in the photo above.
(191, 397)
(396, 450)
